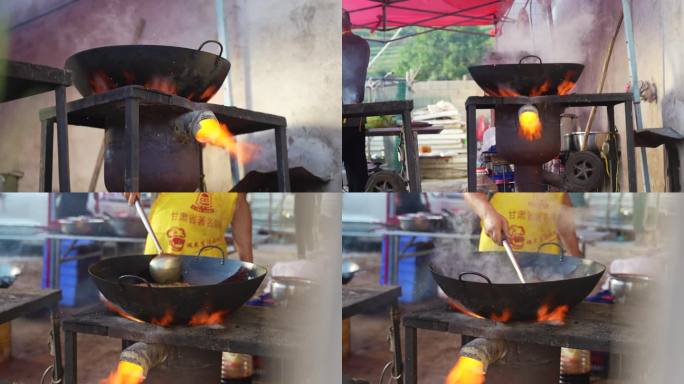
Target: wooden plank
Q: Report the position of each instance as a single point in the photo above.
(356, 300)
(251, 330)
(598, 327)
(14, 303)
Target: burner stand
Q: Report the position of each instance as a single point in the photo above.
(607, 100)
(93, 112)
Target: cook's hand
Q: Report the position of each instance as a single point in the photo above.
(495, 226)
(132, 197)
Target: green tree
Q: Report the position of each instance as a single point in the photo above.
(442, 55)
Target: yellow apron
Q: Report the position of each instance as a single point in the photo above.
(186, 222)
(531, 219)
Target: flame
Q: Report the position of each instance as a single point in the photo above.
(466, 371)
(119, 311)
(207, 318)
(129, 77)
(208, 93)
(213, 132)
(566, 85)
(530, 126)
(557, 316)
(125, 373)
(100, 82)
(542, 89)
(457, 306)
(162, 84)
(503, 317)
(165, 320)
(502, 91)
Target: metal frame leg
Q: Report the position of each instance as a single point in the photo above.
(62, 139)
(395, 316)
(132, 172)
(283, 167)
(613, 154)
(629, 137)
(70, 357)
(58, 371)
(411, 149)
(47, 134)
(471, 139)
(411, 348)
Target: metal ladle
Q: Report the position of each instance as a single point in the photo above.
(164, 268)
(511, 256)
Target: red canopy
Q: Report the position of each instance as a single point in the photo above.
(386, 15)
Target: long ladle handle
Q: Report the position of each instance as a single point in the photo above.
(511, 256)
(147, 225)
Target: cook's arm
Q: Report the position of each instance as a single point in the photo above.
(494, 224)
(566, 227)
(242, 228)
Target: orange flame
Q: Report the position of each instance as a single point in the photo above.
(129, 77)
(208, 318)
(530, 126)
(165, 320)
(466, 371)
(119, 311)
(208, 93)
(125, 373)
(162, 84)
(213, 132)
(100, 82)
(457, 306)
(504, 317)
(542, 89)
(556, 316)
(566, 85)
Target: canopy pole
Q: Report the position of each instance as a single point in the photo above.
(636, 95)
(384, 48)
(228, 94)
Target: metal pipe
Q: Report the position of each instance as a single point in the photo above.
(631, 57)
(228, 94)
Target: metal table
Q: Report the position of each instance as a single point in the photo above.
(597, 327)
(53, 254)
(16, 303)
(26, 79)
(607, 100)
(357, 300)
(395, 253)
(250, 330)
(410, 142)
(397, 131)
(93, 111)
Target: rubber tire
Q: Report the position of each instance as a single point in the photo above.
(584, 172)
(385, 181)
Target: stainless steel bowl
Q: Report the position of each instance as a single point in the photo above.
(628, 287)
(285, 289)
(421, 222)
(349, 268)
(573, 141)
(82, 225)
(8, 273)
(127, 226)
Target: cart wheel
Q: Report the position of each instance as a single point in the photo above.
(584, 172)
(385, 181)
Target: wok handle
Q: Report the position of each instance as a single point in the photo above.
(134, 277)
(219, 44)
(460, 276)
(223, 253)
(528, 57)
(562, 251)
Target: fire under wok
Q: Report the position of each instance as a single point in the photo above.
(191, 73)
(526, 79)
(486, 283)
(209, 285)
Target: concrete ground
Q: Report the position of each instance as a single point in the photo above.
(437, 351)
(97, 355)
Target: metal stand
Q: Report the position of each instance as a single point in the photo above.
(607, 100)
(597, 327)
(410, 143)
(250, 330)
(92, 112)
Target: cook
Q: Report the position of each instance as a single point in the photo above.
(526, 220)
(186, 222)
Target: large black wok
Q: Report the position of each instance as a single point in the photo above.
(215, 284)
(525, 79)
(486, 283)
(190, 73)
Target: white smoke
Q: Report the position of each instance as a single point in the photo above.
(567, 41)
